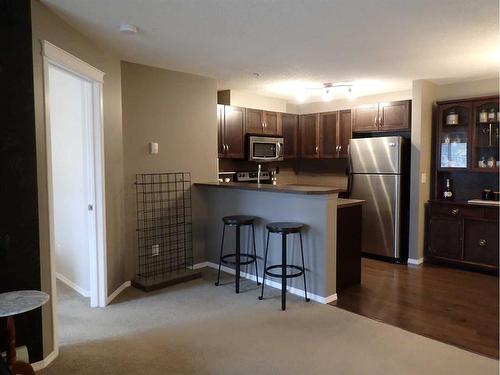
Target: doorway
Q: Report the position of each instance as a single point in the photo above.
(75, 175)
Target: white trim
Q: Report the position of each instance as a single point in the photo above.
(120, 289)
(271, 283)
(58, 57)
(72, 285)
(416, 262)
(72, 63)
(40, 365)
(199, 265)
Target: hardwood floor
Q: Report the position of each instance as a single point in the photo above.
(450, 305)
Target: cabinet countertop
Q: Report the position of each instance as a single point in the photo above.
(291, 189)
(343, 203)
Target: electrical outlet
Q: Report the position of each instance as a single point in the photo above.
(155, 250)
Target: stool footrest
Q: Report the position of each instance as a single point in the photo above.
(288, 275)
(251, 258)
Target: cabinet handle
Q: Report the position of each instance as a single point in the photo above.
(455, 211)
(482, 242)
(340, 148)
(380, 122)
(227, 147)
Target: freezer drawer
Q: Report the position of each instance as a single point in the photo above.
(381, 216)
(375, 155)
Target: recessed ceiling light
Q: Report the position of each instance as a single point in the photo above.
(129, 29)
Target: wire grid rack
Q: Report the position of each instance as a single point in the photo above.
(164, 224)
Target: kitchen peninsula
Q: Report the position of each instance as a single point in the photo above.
(315, 206)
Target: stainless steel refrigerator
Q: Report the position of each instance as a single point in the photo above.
(378, 174)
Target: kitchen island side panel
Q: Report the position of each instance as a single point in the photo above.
(318, 212)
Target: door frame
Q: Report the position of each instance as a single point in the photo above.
(53, 55)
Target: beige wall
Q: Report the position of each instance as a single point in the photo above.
(467, 89)
(424, 97)
(178, 111)
(336, 105)
(49, 27)
(425, 94)
(245, 99)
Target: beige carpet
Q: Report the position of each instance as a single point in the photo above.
(197, 328)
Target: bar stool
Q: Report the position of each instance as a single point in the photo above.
(285, 228)
(238, 221)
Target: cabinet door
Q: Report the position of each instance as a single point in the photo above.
(272, 123)
(234, 126)
(445, 237)
(345, 132)
(309, 136)
(328, 135)
(365, 118)
(290, 129)
(394, 115)
(220, 130)
(481, 242)
(254, 121)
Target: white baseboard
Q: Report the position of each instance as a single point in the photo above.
(40, 365)
(271, 283)
(199, 265)
(416, 262)
(72, 285)
(120, 289)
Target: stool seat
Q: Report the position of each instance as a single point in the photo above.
(284, 227)
(234, 220)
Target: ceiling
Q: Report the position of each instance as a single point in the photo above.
(381, 45)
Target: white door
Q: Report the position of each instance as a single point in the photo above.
(70, 98)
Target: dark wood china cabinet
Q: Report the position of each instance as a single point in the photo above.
(459, 231)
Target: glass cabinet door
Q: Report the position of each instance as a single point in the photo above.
(485, 136)
(453, 141)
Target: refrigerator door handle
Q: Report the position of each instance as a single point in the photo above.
(349, 171)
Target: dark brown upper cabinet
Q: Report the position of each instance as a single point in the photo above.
(365, 118)
(231, 132)
(394, 115)
(308, 130)
(290, 131)
(262, 122)
(325, 135)
(272, 123)
(345, 132)
(254, 121)
(328, 137)
(391, 116)
(220, 130)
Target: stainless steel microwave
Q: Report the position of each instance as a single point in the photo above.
(262, 148)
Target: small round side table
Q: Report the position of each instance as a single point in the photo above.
(15, 303)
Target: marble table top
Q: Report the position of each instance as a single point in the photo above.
(20, 301)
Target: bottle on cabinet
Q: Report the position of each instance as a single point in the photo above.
(448, 194)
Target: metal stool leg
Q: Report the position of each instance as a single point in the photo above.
(255, 255)
(220, 257)
(283, 271)
(265, 264)
(304, 267)
(238, 256)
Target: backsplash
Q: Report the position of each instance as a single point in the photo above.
(303, 172)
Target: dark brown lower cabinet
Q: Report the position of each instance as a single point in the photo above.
(462, 234)
(348, 246)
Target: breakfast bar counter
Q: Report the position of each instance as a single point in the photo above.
(315, 206)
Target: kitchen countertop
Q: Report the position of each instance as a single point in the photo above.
(291, 189)
(342, 202)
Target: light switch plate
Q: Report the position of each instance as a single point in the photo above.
(153, 148)
(424, 178)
